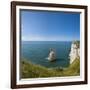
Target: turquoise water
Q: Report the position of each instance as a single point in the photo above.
(37, 52)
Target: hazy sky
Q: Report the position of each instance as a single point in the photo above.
(49, 26)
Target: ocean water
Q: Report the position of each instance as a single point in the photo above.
(38, 51)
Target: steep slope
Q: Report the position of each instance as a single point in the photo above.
(29, 70)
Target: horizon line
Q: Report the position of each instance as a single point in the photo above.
(50, 40)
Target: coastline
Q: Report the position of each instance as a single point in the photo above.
(30, 70)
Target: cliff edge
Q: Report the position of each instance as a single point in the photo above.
(75, 51)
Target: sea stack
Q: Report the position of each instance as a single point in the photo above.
(52, 55)
(75, 51)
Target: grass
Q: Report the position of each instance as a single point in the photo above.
(29, 70)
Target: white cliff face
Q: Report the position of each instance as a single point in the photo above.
(75, 52)
(52, 56)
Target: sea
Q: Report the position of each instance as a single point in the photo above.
(37, 52)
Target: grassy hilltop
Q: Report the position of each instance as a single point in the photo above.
(29, 70)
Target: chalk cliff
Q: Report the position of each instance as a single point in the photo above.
(52, 55)
(75, 51)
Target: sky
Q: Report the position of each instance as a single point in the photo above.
(49, 26)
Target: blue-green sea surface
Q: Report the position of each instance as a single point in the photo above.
(38, 51)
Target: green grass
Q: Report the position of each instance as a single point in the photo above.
(29, 70)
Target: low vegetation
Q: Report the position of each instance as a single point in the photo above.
(29, 70)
